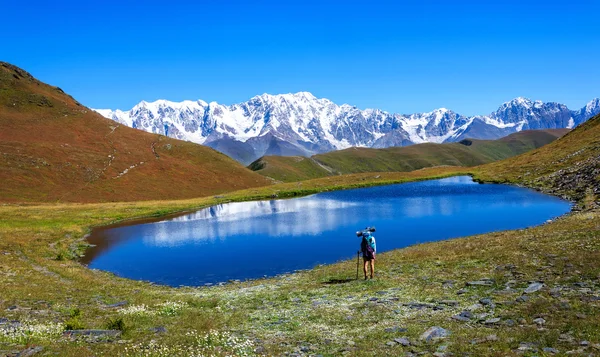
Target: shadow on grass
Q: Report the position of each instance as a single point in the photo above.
(337, 281)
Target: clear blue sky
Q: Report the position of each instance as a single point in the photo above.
(400, 56)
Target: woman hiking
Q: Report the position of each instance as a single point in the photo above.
(368, 249)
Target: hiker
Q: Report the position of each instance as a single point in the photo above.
(368, 248)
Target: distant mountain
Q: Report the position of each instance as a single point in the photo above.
(467, 152)
(300, 124)
(54, 149)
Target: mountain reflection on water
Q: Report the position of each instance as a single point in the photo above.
(251, 239)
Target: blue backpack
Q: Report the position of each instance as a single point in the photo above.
(367, 245)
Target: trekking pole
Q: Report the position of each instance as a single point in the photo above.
(357, 261)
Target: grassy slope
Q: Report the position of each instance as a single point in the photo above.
(405, 158)
(54, 149)
(569, 167)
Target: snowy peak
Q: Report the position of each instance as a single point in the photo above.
(302, 124)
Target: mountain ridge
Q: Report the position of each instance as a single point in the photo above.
(305, 125)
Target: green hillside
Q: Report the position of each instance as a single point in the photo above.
(567, 167)
(468, 152)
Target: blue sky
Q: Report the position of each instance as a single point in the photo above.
(400, 56)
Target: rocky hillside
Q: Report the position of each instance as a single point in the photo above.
(302, 125)
(568, 167)
(54, 149)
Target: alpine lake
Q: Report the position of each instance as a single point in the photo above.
(249, 240)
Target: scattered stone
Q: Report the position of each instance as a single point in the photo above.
(391, 343)
(449, 302)
(461, 318)
(486, 282)
(485, 301)
(461, 291)
(117, 304)
(434, 333)
(94, 334)
(528, 346)
(539, 321)
(522, 321)
(581, 316)
(510, 322)
(402, 341)
(522, 298)
(550, 350)
(584, 343)
(475, 307)
(464, 316)
(30, 351)
(159, 329)
(492, 321)
(534, 287)
(565, 337)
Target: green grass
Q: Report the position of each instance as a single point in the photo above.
(408, 158)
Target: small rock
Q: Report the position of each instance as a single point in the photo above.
(30, 351)
(159, 329)
(434, 333)
(391, 343)
(584, 343)
(539, 321)
(565, 337)
(510, 322)
(461, 291)
(492, 338)
(449, 302)
(487, 282)
(117, 304)
(402, 341)
(527, 346)
(485, 301)
(550, 350)
(581, 316)
(460, 318)
(532, 288)
(492, 321)
(522, 298)
(475, 307)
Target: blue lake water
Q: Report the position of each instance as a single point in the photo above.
(249, 240)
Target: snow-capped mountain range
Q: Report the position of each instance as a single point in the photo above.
(301, 124)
